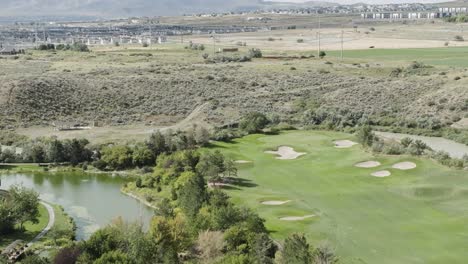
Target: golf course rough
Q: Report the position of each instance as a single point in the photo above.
(366, 219)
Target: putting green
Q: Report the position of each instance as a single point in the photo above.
(413, 216)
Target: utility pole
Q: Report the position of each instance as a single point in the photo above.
(214, 44)
(318, 35)
(342, 43)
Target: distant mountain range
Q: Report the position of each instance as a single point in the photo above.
(126, 8)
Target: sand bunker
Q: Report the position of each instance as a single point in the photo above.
(344, 144)
(404, 165)
(381, 174)
(296, 218)
(286, 153)
(275, 202)
(242, 161)
(368, 164)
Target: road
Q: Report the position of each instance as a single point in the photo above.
(49, 226)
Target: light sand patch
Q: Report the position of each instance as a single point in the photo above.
(275, 202)
(368, 164)
(344, 143)
(286, 153)
(217, 184)
(404, 166)
(242, 161)
(381, 174)
(296, 218)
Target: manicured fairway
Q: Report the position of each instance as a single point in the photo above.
(414, 216)
(448, 56)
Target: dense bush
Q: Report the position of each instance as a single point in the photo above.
(253, 122)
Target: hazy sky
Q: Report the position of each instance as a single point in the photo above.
(367, 1)
(125, 8)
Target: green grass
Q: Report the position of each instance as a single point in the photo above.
(62, 222)
(449, 56)
(21, 168)
(416, 216)
(31, 230)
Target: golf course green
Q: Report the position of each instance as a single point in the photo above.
(418, 215)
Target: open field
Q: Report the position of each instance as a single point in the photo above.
(381, 35)
(419, 213)
(132, 91)
(446, 56)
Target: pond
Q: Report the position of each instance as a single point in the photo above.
(92, 200)
(454, 149)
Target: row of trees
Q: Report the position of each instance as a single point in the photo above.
(51, 150)
(119, 157)
(80, 47)
(17, 207)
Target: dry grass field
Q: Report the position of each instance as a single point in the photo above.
(132, 90)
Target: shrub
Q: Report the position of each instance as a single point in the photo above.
(365, 136)
(459, 38)
(322, 54)
(255, 53)
(253, 122)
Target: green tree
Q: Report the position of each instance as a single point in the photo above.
(264, 249)
(37, 153)
(76, 151)
(7, 219)
(157, 143)
(142, 156)
(104, 240)
(114, 257)
(211, 165)
(202, 136)
(324, 255)
(230, 168)
(253, 122)
(25, 205)
(192, 194)
(296, 250)
(55, 151)
(117, 157)
(418, 147)
(365, 136)
(322, 54)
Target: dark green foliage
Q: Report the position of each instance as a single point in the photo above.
(253, 122)
(117, 157)
(113, 257)
(143, 156)
(365, 136)
(264, 249)
(18, 207)
(34, 259)
(322, 54)
(255, 53)
(192, 194)
(296, 250)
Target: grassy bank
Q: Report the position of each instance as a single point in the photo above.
(61, 231)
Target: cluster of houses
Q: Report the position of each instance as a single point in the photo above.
(442, 12)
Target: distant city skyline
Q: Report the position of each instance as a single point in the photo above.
(126, 8)
(345, 2)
